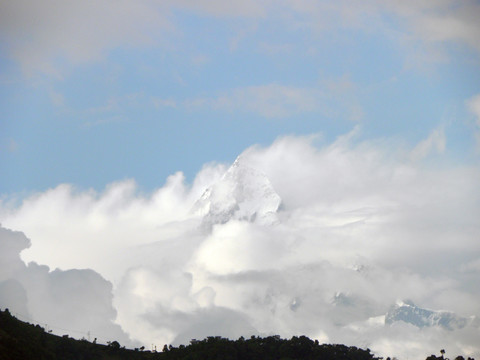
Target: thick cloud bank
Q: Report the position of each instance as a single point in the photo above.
(78, 302)
(345, 242)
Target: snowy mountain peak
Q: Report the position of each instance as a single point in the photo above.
(408, 312)
(243, 193)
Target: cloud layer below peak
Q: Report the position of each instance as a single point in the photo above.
(358, 229)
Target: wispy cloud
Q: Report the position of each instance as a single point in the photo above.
(57, 98)
(48, 36)
(271, 101)
(436, 142)
(473, 105)
(445, 21)
(162, 103)
(9, 145)
(282, 101)
(38, 34)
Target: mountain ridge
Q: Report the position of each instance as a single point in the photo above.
(410, 313)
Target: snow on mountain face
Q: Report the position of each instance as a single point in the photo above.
(412, 314)
(243, 193)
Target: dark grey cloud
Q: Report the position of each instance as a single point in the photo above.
(78, 302)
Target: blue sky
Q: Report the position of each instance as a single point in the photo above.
(361, 118)
(91, 95)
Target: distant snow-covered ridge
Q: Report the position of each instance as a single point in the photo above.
(409, 313)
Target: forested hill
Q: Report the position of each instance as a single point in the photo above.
(23, 341)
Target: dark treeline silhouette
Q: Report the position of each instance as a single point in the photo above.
(20, 340)
(442, 357)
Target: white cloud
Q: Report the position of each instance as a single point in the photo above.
(333, 98)
(51, 35)
(271, 101)
(248, 8)
(435, 142)
(432, 22)
(471, 266)
(422, 30)
(40, 33)
(442, 21)
(163, 103)
(360, 227)
(473, 105)
(113, 212)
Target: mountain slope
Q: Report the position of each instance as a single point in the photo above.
(243, 193)
(410, 313)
